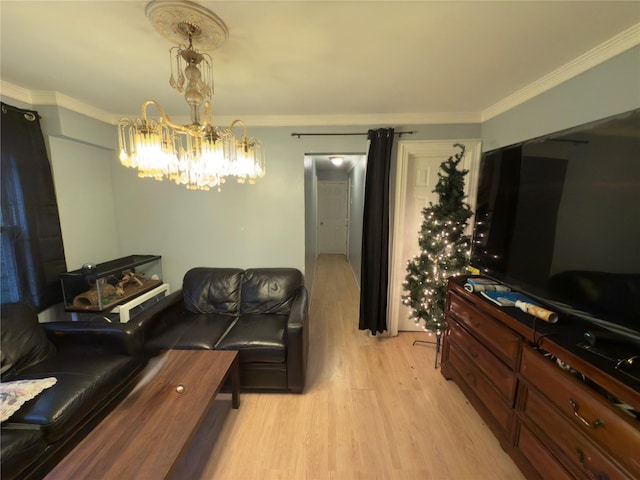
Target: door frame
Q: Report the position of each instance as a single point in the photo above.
(406, 150)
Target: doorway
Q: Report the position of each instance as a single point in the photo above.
(319, 168)
(416, 177)
(333, 217)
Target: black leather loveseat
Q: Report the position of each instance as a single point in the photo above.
(94, 364)
(260, 312)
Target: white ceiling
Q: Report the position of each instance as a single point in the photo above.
(314, 62)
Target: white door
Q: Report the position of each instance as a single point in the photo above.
(417, 175)
(333, 216)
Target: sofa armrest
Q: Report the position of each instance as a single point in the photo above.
(112, 336)
(298, 341)
(127, 337)
(158, 317)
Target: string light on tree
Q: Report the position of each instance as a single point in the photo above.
(444, 248)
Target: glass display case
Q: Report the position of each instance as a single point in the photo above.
(94, 288)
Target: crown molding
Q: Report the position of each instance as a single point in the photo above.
(17, 93)
(355, 120)
(35, 97)
(616, 45)
(57, 99)
(70, 103)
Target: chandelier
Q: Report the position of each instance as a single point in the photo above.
(198, 155)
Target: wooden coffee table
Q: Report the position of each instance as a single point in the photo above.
(146, 434)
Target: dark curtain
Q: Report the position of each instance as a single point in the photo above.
(375, 233)
(32, 249)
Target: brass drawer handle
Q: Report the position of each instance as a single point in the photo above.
(582, 460)
(596, 423)
(474, 322)
(468, 318)
(473, 354)
(472, 377)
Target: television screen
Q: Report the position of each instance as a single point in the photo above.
(559, 218)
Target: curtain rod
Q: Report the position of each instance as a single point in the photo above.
(331, 134)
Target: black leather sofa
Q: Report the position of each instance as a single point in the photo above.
(95, 364)
(261, 312)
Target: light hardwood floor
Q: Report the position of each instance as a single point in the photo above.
(373, 408)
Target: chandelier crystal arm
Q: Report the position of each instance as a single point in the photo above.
(244, 126)
(163, 115)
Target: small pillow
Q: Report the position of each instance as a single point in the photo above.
(14, 394)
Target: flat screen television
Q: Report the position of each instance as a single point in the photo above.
(558, 218)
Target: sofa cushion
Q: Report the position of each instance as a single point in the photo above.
(85, 380)
(23, 341)
(269, 290)
(212, 290)
(19, 448)
(194, 331)
(259, 338)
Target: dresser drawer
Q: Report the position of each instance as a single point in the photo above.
(585, 409)
(539, 457)
(495, 336)
(486, 393)
(580, 451)
(497, 372)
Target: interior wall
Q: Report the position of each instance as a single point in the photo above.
(356, 197)
(82, 177)
(332, 175)
(310, 221)
(260, 225)
(607, 89)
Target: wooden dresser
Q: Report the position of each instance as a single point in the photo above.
(548, 401)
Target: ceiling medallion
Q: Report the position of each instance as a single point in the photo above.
(176, 20)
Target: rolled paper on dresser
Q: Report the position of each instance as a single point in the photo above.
(538, 312)
(486, 288)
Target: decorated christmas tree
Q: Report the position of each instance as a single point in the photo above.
(444, 248)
